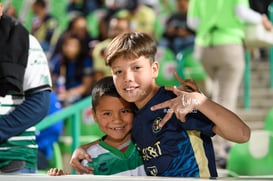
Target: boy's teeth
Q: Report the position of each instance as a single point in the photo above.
(130, 88)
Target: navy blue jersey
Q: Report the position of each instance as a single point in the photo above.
(177, 149)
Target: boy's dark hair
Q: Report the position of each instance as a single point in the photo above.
(131, 45)
(132, 5)
(40, 3)
(104, 87)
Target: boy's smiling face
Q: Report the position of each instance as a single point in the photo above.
(115, 119)
(134, 79)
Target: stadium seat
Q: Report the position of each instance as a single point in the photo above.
(57, 157)
(56, 161)
(167, 66)
(253, 158)
(58, 10)
(188, 67)
(17, 4)
(268, 121)
(93, 20)
(89, 131)
(159, 26)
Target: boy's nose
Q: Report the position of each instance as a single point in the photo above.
(116, 118)
(128, 76)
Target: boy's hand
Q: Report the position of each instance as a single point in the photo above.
(56, 172)
(183, 104)
(187, 85)
(266, 23)
(75, 161)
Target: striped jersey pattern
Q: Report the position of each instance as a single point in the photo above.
(25, 142)
(107, 160)
(36, 78)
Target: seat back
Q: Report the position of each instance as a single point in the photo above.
(167, 66)
(89, 131)
(188, 67)
(56, 161)
(253, 158)
(268, 121)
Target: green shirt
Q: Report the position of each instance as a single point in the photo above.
(20, 147)
(218, 21)
(107, 160)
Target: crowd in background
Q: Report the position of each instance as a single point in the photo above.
(75, 51)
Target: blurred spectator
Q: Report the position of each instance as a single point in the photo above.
(111, 7)
(219, 29)
(10, 11)
(154, 4)
(217, 34)
(44, 25)
(83, 7)
(115, 26)
(78, 27)
(260, 6)
(47, 137)
(142, 18)
(177, 35)
(72, 71)
(25, 86)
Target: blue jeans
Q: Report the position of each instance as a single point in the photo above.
(26, 170)
(23, 170)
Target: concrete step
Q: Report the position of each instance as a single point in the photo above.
(259, 65)
(259, 98)
(261, 92)
(257, 104)
(259, 79)
(259, 76)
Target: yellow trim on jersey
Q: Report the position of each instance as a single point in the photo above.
(199, 152)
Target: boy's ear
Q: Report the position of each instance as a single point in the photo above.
(94, 114)
(155, 69)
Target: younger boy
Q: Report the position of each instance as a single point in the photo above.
(115, 153)
(180, 147)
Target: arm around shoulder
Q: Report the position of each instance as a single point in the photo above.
(80, 154)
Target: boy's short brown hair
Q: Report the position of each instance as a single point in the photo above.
(131, 45)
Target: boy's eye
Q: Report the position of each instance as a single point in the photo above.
(136, 67)
(106, 114)
(124, 111)
(117, 72)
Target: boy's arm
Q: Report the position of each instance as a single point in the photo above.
(227, 124)
(80, 154)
